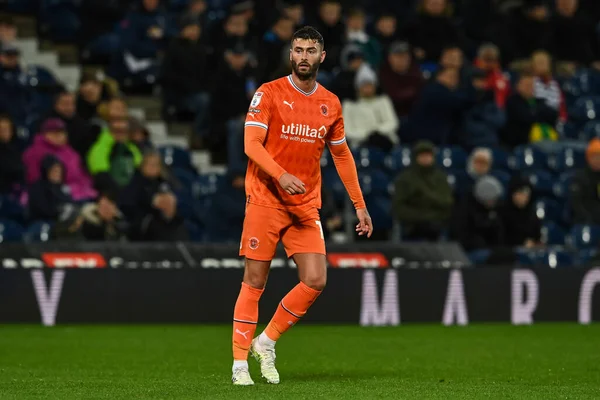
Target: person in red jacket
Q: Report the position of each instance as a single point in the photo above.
(488, 60)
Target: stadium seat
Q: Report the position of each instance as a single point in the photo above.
(552, 234)
(59, 20)
(526, 257)
(326, 159)
(555, 258)
(590, 130)
(10, 231)
(500, 159)
(547, 210)
(177, 157)
(587, 256)
(375, 182)
(569, 130)
(527, 158)
(208, 184)
(451, 158)
(560, 188)
(333, 182)
(502, 176)
(399, 159)
(585, 236)
(541, 182)
(566, 159)
(11, 209)
(195, 231)
(368, 157)
(459, 181)
(585, 109)
(380, 209)
(185, 178)
(39, 231)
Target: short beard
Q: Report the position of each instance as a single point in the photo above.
(308, 75)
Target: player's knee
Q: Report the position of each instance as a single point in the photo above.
(256, 281)
(316, 281)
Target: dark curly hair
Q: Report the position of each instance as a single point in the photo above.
(309, 33)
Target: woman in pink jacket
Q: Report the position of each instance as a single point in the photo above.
(52, 139)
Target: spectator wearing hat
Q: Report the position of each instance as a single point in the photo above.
(401, 78)
(488, 60)
(423, 200)
(232, 90)
(80, 133)
(434, 115)
(478, 222)
(53, 140)
(479, 164)
(370, 119)
(343, 83)
(186, 75)
(585, 188)
(524, 112)
(12, 170)
(356, 33)
(274, 42)
(521, 224)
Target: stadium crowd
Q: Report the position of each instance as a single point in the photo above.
(471, 120)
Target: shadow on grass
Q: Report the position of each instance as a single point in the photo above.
(340, 376)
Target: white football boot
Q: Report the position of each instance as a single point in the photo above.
(265, 355)
(241, 377)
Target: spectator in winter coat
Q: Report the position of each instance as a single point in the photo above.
(521, 224)
(149, 204)
(103, 221)
(356, 34)
(479, 164)
(386, 31)
(546, 88)
(523, 112)
(371, 118)
(432, 30)
(12, 171)
(573, 33)
(49, 195)
(79, 132)
(52, 140)
(17, 96)
(423, 199)
(530, 30)
(225, 215)
(139, 135)
(329, 24)
(488, 60)
(146, 30)
(274, 42)
(585, 192)
(94, 94)
(477, 222)
(433, 116)
(231, 93)
(401, 79)
(113, 158)
(343, 83)
(186, 75)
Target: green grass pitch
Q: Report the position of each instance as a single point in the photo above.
(546, 361)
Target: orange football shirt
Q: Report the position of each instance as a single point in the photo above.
(298, 126)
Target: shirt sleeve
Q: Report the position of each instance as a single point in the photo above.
(259, 112)
(337, 134)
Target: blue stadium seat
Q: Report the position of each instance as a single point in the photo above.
(500, 159)
(555, 258)
(547, 210)
(459, 181)
(569, 130)
(380, 208)
(326, 159)
(451, 158)
(585, 256)
(399, 159)
(332, 181)
(59, 20)
(38, 231)
(10, 231)
(566, 159)
(541, 182)
(502, 176)
(561, 187)
(590, 130)
(552, 234)
(585, 108)
(11, 209)
(185, 178)
(195, 231)
(585, 236)
(375, 182)
(177, 157)
(368, 157)
(208, 184)
(526, 257)
(527, 158)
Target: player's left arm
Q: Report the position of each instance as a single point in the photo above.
(346, 168)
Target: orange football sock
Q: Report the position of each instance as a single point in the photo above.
(245, 318)
(291, 308)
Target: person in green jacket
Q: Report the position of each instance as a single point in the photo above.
(113, 155)
(423, 198)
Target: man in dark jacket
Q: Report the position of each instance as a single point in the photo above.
(401, 79)
(274, 42)
(521, 224)
(585, 189)
(12, 170)
(186, 74)
(523, 111)
(422, 199)
(49, 195)
(329, 24)
(146, 30)
(573, 33)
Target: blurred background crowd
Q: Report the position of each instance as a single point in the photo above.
(470, 120)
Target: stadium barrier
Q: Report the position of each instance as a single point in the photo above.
(370, 285)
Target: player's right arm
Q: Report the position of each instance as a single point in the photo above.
(255, 133)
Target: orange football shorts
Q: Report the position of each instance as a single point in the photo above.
(300, 231)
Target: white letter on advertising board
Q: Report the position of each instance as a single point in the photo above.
(455, 309)
(590, 280)
(371, 312)
(522, 310)
(48, 299)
